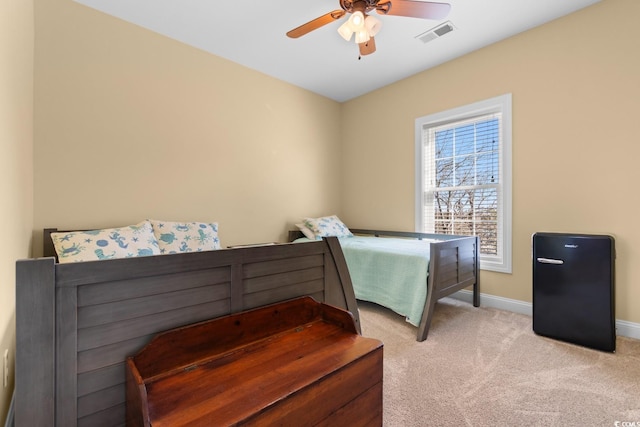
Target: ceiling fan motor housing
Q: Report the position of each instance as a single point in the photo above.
(363, 6)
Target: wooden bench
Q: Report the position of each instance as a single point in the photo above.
(294, 363)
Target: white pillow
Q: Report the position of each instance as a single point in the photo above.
(327, 226)
(307, 233)
(178, 237)
(124, 242)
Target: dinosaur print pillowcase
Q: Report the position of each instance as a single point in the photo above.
(178, 237)
(108, 243)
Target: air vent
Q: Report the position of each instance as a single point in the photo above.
(435, 32)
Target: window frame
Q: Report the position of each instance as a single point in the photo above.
(500, 104)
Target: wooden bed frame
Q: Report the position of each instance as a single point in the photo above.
(76, 323)
(453, 266)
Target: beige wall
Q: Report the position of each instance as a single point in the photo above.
(576, 97)
(132, 125)
(16, 165)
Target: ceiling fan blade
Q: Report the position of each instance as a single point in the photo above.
(316, 23)
(368, 47)
(414, 9)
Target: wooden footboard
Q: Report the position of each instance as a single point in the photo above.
(453, 266)
(76, 323)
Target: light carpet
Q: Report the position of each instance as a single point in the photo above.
(486, 367)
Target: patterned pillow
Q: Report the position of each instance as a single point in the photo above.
(125, 242)
(307, 233)
(177, 237)
(327, 226)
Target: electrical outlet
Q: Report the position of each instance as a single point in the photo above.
(5, 368)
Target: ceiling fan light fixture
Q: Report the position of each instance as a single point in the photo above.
(356, 24)
(357, 20)
(373, 25)
(362, 36)
(345, 31)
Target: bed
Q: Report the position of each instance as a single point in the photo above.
(77, 322)
(410, 275)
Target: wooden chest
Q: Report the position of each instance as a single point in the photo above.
(294, 363)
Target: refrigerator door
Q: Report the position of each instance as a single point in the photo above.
(573, 288)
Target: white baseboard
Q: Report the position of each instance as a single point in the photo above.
(628, 329)
(623, 327)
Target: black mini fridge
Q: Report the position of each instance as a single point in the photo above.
(573, 288)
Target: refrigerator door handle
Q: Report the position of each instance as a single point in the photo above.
(550, 261)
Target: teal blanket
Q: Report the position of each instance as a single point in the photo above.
(390, 272)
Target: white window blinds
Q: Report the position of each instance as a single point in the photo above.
(463, 181)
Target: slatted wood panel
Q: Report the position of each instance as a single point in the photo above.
(456, 267)
(108, 310)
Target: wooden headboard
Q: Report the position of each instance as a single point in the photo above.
(76, 323)
(47, 243)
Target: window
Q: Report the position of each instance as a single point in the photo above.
(463, 176)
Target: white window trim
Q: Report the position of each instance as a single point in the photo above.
(500, 104)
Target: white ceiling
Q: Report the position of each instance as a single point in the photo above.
(253, 34)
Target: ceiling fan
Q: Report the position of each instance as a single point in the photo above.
(364, 26)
